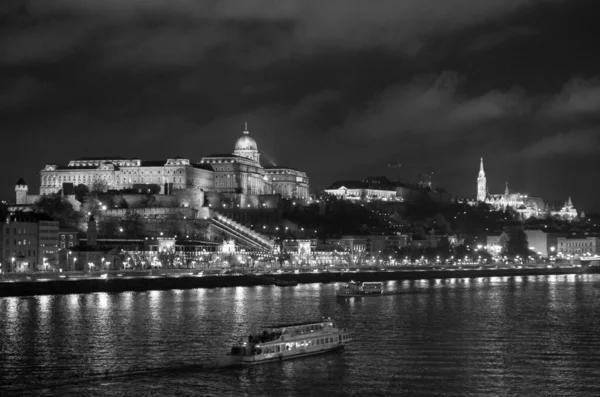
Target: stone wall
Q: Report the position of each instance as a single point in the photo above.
(217, 200)
(189, 198)
(149, 213)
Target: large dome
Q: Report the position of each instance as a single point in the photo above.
(245, 142)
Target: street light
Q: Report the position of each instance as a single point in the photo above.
(12, 266)
(68, 252)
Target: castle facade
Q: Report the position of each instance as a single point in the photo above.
(238, 172)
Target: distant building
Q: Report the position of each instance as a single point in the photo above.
(381, 188)
(523, 204)
(378, 188)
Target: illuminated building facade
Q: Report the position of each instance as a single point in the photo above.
(523, 204)
(578, 246)
(239, 172)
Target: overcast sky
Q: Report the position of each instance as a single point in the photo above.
(337, 88)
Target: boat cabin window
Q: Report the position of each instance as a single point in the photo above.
(237, 351)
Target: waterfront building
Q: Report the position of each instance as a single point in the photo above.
(578, 246)
(67, 237)
(496, 243)
(28, 241)
(543, 243)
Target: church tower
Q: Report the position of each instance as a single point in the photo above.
(246, 146)
(21, 191)
(481, 184)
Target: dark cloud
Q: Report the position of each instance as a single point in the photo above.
(579, 97)
(167, 33)
(572, 143)
(499, 37)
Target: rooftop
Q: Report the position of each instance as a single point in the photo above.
(29, 217)
(297, 324)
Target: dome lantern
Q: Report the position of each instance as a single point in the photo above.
(246, 146)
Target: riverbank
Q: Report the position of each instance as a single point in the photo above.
(189, 281)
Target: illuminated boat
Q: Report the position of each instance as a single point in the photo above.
(357, 288)
(288, 341)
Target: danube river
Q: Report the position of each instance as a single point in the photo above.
(497, 336)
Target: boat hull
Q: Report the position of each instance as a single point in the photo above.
(279, 357)
(282, 357)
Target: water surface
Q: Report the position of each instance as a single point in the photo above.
(500, 336)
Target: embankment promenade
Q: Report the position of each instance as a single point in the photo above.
(146, 281)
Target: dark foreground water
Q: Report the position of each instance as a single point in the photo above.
(511, 336)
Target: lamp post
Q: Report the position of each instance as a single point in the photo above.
(67, 266)
(12, 264)
(1, 273)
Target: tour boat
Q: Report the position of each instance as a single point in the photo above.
(287, 341)
(357, 288)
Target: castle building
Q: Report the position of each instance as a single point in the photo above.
(239, 172)
(523, 204)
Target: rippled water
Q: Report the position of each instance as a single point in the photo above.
(537, 335)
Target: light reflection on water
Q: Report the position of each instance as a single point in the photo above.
(518, 335)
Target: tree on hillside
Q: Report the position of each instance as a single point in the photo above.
(59, 208)
(81, 191)
(133, 224)
(148, 201)
(99, 185)
(517, 243)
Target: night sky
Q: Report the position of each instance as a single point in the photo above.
(336, 88)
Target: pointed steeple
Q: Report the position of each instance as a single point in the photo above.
(481, 171)
(569, 203)
(482, 192)
(506, 190)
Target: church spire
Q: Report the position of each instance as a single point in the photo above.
(506, 190)
(481, 171)
(569, 203)
(481, 183)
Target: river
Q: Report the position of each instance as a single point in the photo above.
(494, 336)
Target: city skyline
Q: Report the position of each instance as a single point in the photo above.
(455, 82)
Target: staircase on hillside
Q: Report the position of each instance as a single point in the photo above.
(241, 233)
